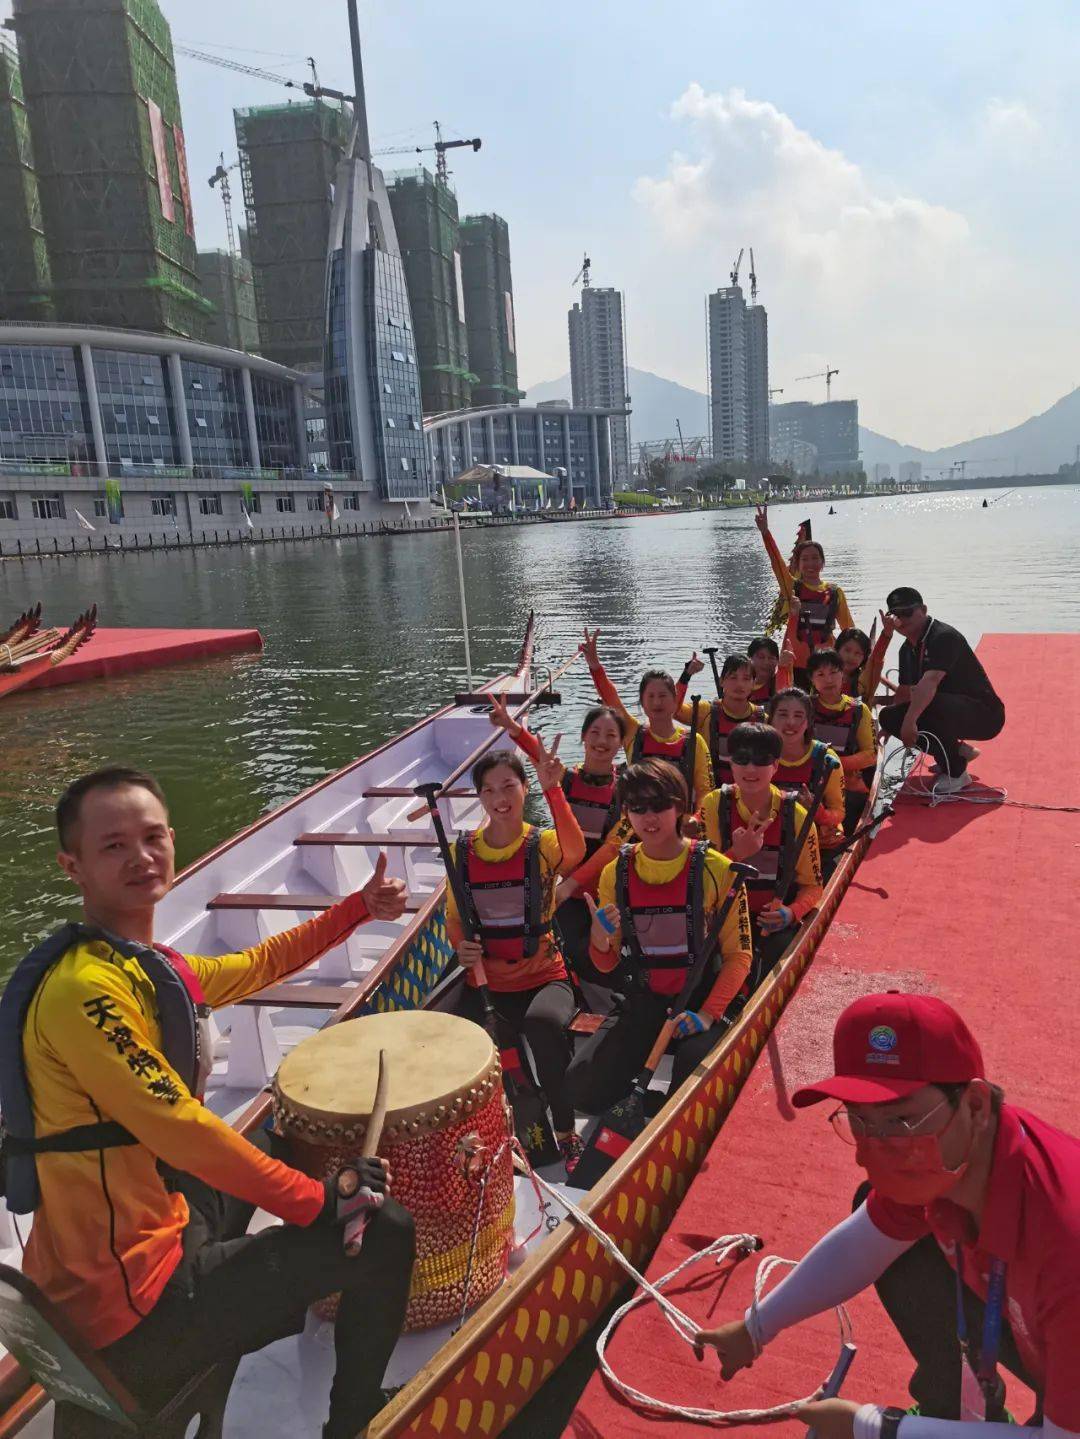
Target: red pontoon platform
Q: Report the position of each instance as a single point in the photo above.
(975, 903)
(119, 652)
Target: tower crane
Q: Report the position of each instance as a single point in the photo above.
(440, 148)
(221, 177)
(735, 271)
(582, 274)
(753, 278)
(825, 375)
(309, 87)
(778, 391)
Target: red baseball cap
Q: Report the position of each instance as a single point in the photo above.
(886, 1046)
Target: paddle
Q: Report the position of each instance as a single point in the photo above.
(531, 1123)
(786, 877)
(712, 651)
(351, 1193)
(690, 768)
(621, 1124)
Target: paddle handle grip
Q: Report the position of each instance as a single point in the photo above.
(832, 1386)
(659, 1049)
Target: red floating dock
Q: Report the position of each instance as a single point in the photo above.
(121, 652)
(975, 903)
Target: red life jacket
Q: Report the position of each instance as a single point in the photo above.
(663, 925)
(817, 617)
(505, 899)
(838, 728)
(677, 752)
(593, 804)
(761, 693)
(769, 860)
(721, 726)
(808, 774)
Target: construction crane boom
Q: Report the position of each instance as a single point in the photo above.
(735, 271)
(314, 90)
(753, 278)
(779, 390)
(221, 177)
(826, 375)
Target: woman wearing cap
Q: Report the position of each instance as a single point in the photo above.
(969, 1222)
(944, 697)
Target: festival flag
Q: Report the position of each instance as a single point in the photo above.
(330, 508)
(84, 521)
(408, 512)
(113, 501)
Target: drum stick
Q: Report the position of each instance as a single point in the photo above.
(355, 1226)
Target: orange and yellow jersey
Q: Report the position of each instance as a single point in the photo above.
(107, 1235)
(862, 750)
(703, 777)
(735, 947)
(787, 582)
(560, 852)
(808, 868)
(869, 677)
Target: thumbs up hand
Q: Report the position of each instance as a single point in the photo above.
(385, 898)
(605, 922)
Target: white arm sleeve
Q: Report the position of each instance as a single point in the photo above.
(915, 1426)
(840, 1265)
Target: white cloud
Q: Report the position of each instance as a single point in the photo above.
(921, 316)
(1011, 120)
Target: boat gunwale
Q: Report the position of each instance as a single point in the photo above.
(414, 1397)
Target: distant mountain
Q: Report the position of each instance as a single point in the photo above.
(1038, 446)
(656, 403)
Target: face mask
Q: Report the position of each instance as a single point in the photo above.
(909, 1170)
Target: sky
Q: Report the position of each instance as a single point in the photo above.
(905, 174)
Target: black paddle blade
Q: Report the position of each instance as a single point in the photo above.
(529, 1111)
(618, 1128)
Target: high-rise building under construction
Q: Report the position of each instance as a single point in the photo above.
(24, 260)
(738, 348)
(228, 284)
(426, 220)
(598, 366)
(489, 309)
(108, 145)
(289, 156)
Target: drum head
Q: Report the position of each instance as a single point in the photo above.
(432, 1060)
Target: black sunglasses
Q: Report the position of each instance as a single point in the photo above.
(903, 612)
(749, 756)
(650, 806)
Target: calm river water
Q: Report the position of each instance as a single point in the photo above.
(362, 637)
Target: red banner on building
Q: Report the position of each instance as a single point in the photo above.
(161, 161)
(185, 186)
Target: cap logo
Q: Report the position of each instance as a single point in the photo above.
(883, 1038)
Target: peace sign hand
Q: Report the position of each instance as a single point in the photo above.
(888, 624)
(549, 767)
(501, 718)
(761, 517)
(747, 842)
(589, 650)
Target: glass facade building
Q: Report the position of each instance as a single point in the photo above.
(578, 441)
(108, 402)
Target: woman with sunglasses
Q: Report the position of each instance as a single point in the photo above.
(590, 792)
(717, 718)
(755, 822)
(847, 725)
(656, 905)
(660, 737)
(823, 605)
(863, 662)
(803, 761)
(508, 871)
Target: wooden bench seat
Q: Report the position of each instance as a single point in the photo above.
(246, 900)
(393, 791)
(303, 996)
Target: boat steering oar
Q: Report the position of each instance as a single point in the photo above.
(354, 1198)
(526, 1101)
(621, 1124)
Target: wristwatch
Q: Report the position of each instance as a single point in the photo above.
(890, 1422)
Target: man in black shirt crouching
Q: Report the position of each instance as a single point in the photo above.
(944, 693)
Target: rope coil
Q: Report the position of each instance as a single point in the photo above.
(738, 1245)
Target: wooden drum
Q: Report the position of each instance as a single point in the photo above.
(446, 1126)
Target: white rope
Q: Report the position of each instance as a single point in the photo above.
(739, 1245)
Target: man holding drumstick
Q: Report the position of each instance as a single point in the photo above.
(969, 1227)
(142, 1195)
